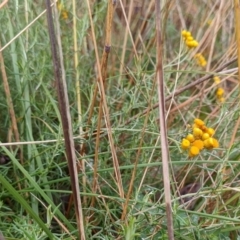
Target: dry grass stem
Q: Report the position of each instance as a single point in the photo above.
(59, 74)
(162, 117)
(105, 108)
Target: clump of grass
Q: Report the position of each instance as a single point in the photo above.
(109, 54)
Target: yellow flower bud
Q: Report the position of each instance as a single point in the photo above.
(204, 128)
(184, 33)
(190, 138)
(199, 144)
(222, 99)
(211, 143)
(208, 143)
(199, 122)
(210, 131)
(197, 132)
(191, 43)
(188, 34)
(203, 63)
(209, 22)
(195, 43)
(185, 144)
(215, 143)
(190, 38)
(220, 92)
(200, 59)
(64, 14)
(194, 151)
(216, 79)
(59, 6)
(205, 136)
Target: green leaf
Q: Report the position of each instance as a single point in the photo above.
(25, 205)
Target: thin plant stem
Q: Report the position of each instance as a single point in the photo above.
(237, 29)
(78, 94)
(105, 107)
(162, 116)
(59, 73)
(9, 101)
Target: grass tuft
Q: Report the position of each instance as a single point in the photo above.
(117, 140)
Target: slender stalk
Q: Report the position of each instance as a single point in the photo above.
(162, 116)
(3, 3)
(10, 107)
(124, 47)
(78, 93)
(9, 100)
(103, 95)
(59, 73)
(237, 27)
(104, 62)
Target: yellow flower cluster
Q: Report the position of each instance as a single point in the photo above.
(219, 91)
(192, 43)
(201, 60)
(200, 138)
(189, 40)
(62, 10)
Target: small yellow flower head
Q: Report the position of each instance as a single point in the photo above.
(203, 63)
(199, 144)
(191, 43)
(195, 43)
(197, 132)
(209, 22)
(215, 143)
(185, 144)
(219, 92)
(190, 38)
(216, 79)
(59, 6)
(186, 34)
(210, 131)
(199, 122)
(200, 59)
(222, 99)
(62, 10)
(204, 128)
(205, 136)
(211, 143)
(64, 14)
(194, 151)
(190, 138)
(207, 143)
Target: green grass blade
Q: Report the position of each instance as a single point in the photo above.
(25, 205)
